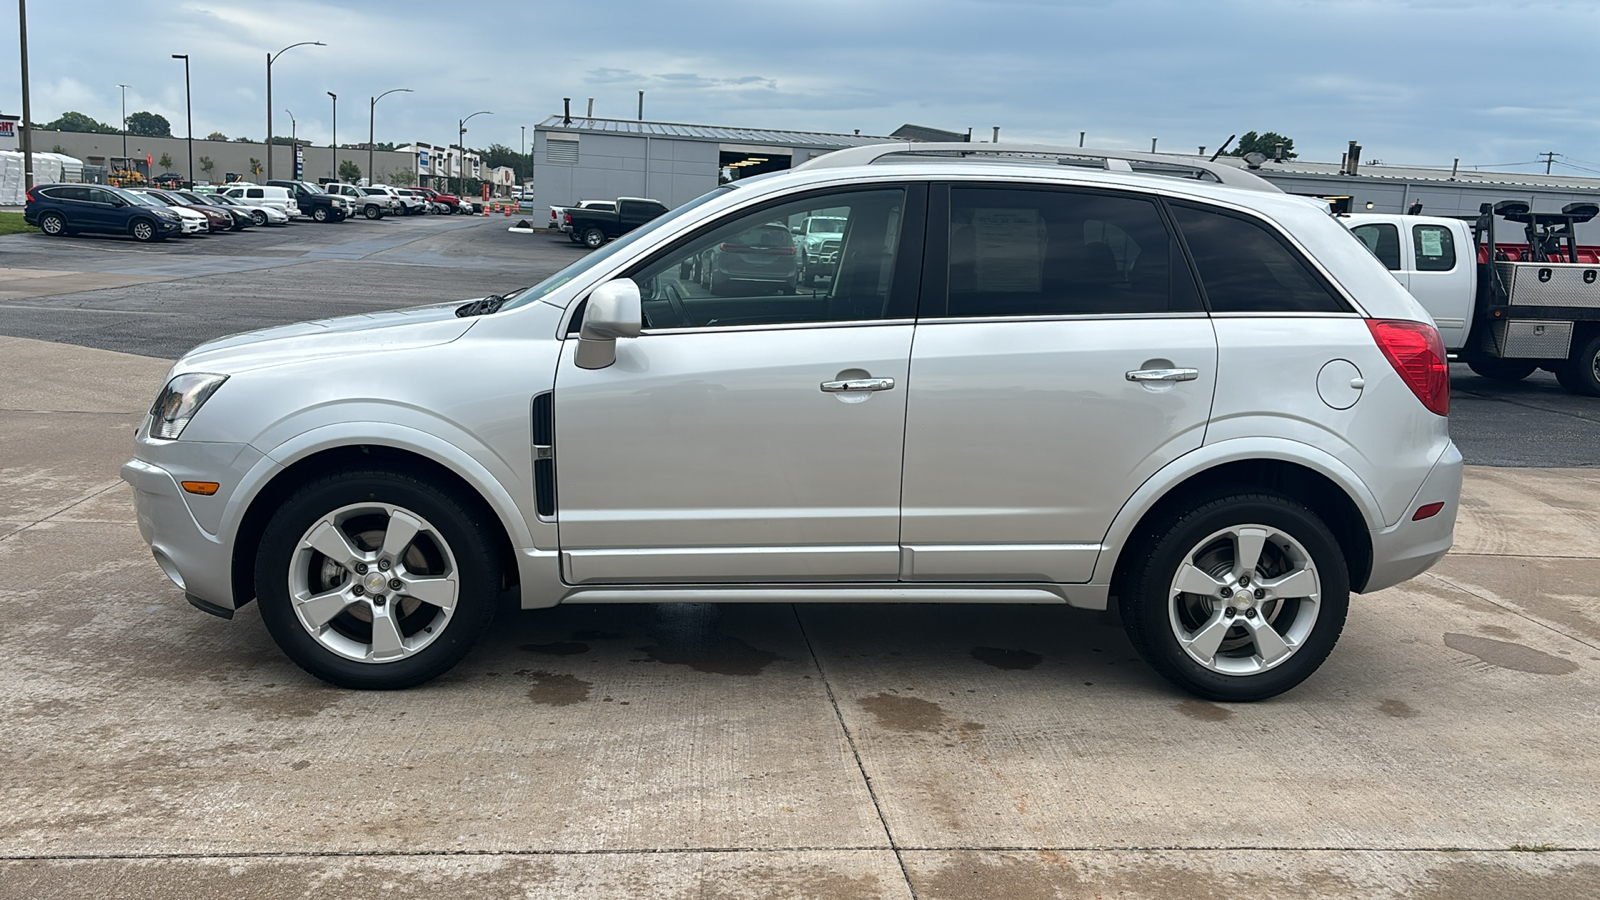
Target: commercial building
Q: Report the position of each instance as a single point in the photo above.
(439, 166)
(230, 160)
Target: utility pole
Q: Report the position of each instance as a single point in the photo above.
(335, 145)
(188, 109)
(1549, 158)
(294, 144)
(372, 109)
(27, 110)
(270, 58)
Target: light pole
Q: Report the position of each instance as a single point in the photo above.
(124, 122)
(27, 110)
(461, 137)
(371, 109)
(188, 111)
(270, 58)
(294, 144)
(334, 172)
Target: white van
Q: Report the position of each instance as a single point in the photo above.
(263, 196)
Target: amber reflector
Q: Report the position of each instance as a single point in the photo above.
(206, 488)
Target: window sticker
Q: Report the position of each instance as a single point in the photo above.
(1431, 242)
(1010, 250)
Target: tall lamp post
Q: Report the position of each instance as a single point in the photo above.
(461, 137)
(294, 144)
(335, 171)
(188, 111)
(124, 122)
(270, 58)
(27, 109)
(371, 109)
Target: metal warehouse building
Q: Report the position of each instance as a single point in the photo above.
(584, 158)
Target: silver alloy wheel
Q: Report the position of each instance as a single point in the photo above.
(1244, 599)
(52, 224)
(259, 217)
(373, 582)
(143, 231)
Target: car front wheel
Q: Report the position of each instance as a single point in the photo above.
(143, 230)
(1238, 599)
(374, 579)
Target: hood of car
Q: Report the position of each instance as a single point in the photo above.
(368, 333)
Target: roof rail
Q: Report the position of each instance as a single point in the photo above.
(1111, 160)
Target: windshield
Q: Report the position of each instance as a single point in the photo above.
(144, 199)
(313, 188)
(219, 200)
(817, 225)
(596, 257)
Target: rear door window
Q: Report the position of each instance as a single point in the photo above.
(1247, 267)
(1383, 240)
(1436, 248)
(69, 193)
(255, 192)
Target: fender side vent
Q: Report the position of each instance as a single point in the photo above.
(544, 461)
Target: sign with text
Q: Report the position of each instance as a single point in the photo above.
(8, 132)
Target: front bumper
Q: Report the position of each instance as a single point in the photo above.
(1409, 548)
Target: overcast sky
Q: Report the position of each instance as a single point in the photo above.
(1415, 81)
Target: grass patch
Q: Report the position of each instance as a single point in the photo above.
(11, 223)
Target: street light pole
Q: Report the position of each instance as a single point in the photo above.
(270, 58)
(294, 144)
(188, 109)
(461, 139)
(124, 122)
(27, 110)
(371, 109)
(335, 170)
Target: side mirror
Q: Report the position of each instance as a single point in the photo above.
(614, 311)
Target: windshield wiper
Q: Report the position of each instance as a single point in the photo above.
(484, 307)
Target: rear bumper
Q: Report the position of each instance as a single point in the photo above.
(1407, 549)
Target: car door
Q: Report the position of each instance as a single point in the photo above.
(1062, 357)
(75, 206)
(753, 436)
(105, 210)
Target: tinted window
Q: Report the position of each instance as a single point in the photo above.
(254, 192)
(759, 269)
(1384, 242)
(68, 193)
(1436, 248)
(1246, 267)
(1020, 252)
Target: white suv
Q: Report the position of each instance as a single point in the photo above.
(372, 203)
(1196, 399)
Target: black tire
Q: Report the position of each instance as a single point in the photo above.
(372, 211)
(320, 214)
(53, 224)
(260, 217)
(461, 527)
(1152, 610)
(1580, 374)
(143, 231)
(1502, 369)
(593, 238)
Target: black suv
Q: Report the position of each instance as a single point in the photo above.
(59, 209)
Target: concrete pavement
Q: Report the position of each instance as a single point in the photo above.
(147, 750)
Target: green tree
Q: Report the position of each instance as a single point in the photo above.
(255, 166)
(403, 178)
(165, 162)
(149, 124)
(241, 139)
(283, 140)
(349, 172)
(216, 136)
(1265, 144)
(77, 121)
(59, 149)
(501, 155)
(206, 165)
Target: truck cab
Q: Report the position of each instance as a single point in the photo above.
(1432, 257)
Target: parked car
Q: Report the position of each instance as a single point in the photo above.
(69, 209)
(820, 240)
(593, 227)
(313, 201)
(760, 257)
(416, 202)
(450, 201)
(558, 220)
(194, 221)
(217, 219)
(264, 195)
(369, 202)
(1201, 403)
(260, 215)
(242, 219)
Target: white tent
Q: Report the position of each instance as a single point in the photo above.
(71, 168)
(13, 186)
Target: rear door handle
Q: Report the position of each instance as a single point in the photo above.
(1163, 374)
(858, 384)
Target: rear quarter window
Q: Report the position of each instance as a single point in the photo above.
(1247, 267)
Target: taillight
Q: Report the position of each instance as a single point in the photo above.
(31, 197)
(567, 217)
(1417, 354)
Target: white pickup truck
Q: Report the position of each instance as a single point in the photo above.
(1528, 306)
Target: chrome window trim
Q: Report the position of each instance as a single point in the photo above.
(776, 326)
(1062, 317)
(1289, 314)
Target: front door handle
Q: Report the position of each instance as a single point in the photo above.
(853, 385)
(1147, 375)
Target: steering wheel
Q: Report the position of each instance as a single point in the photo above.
(674, 295)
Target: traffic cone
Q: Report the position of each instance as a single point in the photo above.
(508, 211)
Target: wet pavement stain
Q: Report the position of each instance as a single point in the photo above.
(1205, 712)
(1507, 655)
(589, 634)
(1006, 659)
(1398, 709)
(908, 714)
(556, 690)
(717, 655)
(557, 648)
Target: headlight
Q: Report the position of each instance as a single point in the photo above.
(179, 401)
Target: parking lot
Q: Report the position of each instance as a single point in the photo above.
(742, 751)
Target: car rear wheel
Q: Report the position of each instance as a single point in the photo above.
(143, 230)
(375, 579)
(1501, 369)
(593, 238)
(53, 224)
(1237, 599)
(1581, 372)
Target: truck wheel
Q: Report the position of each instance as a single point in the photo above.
(372, 211)
(320, 214)
(1502, 369)
(1238, 598)
(376, 579)
(1581, 372)
(593, 238)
